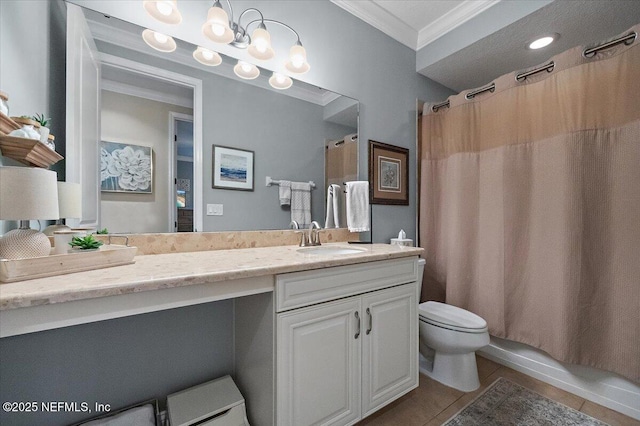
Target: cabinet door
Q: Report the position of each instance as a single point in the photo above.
(390, 346)
(318, 364)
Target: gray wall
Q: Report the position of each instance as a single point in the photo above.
(117, 362)
(32, 68)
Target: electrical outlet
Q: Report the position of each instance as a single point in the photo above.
(214, 209)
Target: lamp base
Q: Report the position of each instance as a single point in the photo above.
(24, 243)
(49, 230)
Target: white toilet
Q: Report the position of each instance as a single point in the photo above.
(449, 337)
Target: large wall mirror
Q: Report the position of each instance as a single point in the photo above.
(303, 133)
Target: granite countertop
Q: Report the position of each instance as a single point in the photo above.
(160, 271)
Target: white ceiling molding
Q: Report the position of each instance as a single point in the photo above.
(379, 18)
(152, 95)
(451, 20)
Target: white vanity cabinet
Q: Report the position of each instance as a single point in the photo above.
(346, 341)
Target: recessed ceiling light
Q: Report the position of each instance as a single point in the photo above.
(543, 41)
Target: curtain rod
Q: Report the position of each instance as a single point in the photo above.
(587, 53)
(472, 94)
(445, 104)
(523, 75)
(628, 39)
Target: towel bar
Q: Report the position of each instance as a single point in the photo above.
(269, 182)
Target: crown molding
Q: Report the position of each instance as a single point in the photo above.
(152, 95)
(379, 18)
(451, 20)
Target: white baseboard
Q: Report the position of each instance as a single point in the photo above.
(601, 387)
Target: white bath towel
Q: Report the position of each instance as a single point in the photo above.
(285, 192)
(357, 197)
(333, 206)
(301, 203)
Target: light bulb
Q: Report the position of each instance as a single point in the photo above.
(164, 7)
(245, 67)
(218, 29)
(297, 61)
(207, 54)
(279, 78)
(160, 38)
(261, 45)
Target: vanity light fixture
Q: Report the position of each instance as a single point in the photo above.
(207, 57)
(159, 41)
(280, 81)
(165, 11)
(246, 70)
(220, 29)
(543, 41)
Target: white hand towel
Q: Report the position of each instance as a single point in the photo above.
(301, 203)
(333, 207)
(357, 197)
(285, 192)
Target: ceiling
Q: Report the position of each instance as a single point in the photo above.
(466, 44)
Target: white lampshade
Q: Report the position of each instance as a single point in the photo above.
(260, 47)
(28, 193)
(165, 11)
(159, 41)
(280, 81)
(246, 70)
(216, 28)
(297, 62)
(69, 200)
(207, 57)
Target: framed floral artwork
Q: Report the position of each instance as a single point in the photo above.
(126, 168)
(388, 174)
(232, 168)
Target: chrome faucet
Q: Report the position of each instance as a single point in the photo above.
(314, 234)
(294, 225)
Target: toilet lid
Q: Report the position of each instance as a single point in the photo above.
(450, 315)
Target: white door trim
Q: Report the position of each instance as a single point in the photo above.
(173, 161)
(196, 85)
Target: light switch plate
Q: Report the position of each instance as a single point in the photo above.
(214, 209)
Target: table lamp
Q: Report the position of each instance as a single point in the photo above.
(27, 193)
(69, 204)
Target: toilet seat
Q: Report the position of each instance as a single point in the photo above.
(451, 317)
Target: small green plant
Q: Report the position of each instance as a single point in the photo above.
(85, 243)
(40, 118)
(103, 231)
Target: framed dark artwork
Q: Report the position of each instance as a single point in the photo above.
(232, 168)
(388, 174)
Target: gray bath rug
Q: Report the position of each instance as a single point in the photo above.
(506, 403)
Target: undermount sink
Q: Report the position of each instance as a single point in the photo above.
(330, 251)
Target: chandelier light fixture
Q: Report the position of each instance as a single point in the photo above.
(220, 27)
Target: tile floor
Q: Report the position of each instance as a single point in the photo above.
(432, 403)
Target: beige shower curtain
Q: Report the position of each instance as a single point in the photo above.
(530, 207)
